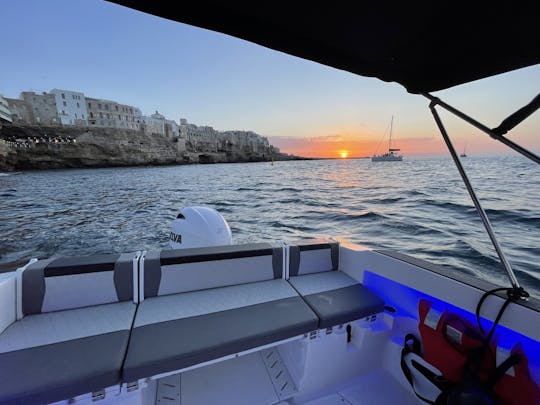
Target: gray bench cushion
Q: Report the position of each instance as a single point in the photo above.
(182, 270)
(61, 326)
(57, 355)
(63, 370)
(336, 298)
(213, 323)
(75, 282)
(313, 256)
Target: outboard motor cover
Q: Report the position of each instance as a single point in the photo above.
(199, 227)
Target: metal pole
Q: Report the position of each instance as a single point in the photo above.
(470, 189)
(483, 128)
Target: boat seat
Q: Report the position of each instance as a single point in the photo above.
(335, 297)
(74, 334)
(203, 304)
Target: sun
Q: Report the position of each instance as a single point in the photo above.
(344, 154)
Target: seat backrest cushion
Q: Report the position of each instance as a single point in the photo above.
(76, 282)
(182, 270)
(313, 256)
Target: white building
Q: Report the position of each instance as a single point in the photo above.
(71, 107)
(5, 114)
(155, 124)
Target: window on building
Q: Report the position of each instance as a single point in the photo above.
(64, 103)
(116, 107)
(63, 112)
(89, 105)
(107, 107)
(119, 117)
(78, 106)
(75, 115)
(108, 116)
(91, 115)
(83, 116)
(100, 115)
(73, 96)
(99, 106)
(63, 96)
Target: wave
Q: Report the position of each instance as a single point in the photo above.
(340, 217)
(495, 214)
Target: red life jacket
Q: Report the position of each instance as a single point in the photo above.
(516, 386)
(447, 340)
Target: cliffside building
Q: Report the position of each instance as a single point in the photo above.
(157, 124)
(70, 107)
(19, 111)
(201, 139)
(41, 108)
(107, 113)
(5, 113)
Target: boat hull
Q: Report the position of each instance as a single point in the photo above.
(387, 158)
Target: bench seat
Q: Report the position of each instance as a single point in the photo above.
(71, 333)
(336, 298)
(172, 332)
(52, 356)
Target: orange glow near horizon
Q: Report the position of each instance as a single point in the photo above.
(356, 146)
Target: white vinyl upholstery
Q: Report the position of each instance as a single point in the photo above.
(179, 278)
(55, 327)
(317, 282)
(78, 290)
(178, 306)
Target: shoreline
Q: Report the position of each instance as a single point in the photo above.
(32, 147)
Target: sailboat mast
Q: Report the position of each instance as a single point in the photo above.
(390, 140)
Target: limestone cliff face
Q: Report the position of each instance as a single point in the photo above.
(38, 147)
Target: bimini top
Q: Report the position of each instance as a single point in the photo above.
(422, 47)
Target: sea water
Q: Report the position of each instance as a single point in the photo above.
(418, 207)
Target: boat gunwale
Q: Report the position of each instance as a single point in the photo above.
(531, 302)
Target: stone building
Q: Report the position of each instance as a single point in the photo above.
(107, 113)
(41, 108)
(154, 124)
(201, 139)
(19, 111)
(5, 113)
(70, 107)
(172, 130)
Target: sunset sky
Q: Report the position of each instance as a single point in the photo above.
(112, 52)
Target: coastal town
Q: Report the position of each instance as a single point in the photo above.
(62, 117)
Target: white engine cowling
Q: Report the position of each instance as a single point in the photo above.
(199, 227)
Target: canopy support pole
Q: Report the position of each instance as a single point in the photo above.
(472, 193)
(436, 101)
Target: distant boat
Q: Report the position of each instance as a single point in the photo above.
(389, 156)
(464, 149)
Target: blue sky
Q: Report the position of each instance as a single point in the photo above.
(111, 52)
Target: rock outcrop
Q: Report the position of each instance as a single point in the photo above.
(40, 147)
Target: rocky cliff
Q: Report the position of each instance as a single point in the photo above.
(40, 147)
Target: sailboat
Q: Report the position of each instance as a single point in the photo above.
(464, 154)
(389, 156)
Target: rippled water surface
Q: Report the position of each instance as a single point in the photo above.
(418, 207)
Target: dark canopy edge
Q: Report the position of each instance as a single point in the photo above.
(423, 48)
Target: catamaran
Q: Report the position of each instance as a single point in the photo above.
(389, 156)
(292, 322)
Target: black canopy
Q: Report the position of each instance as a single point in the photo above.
(424, 48)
